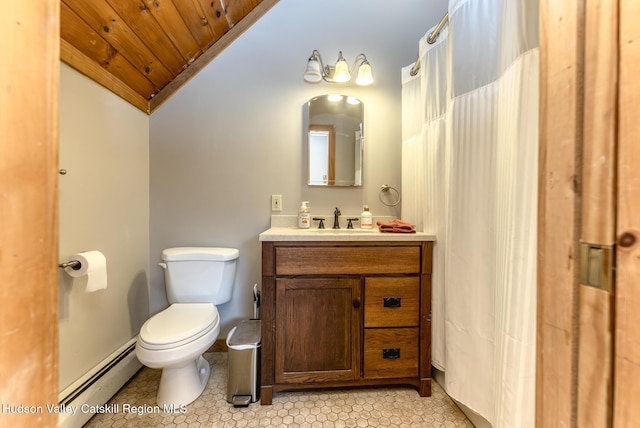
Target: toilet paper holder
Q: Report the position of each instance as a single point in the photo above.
(74, 264)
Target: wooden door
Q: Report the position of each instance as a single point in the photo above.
(597, 226)
(28, 212)
(589, 222)
(317, 330)
(626, 395)
(324, 136)
(560, 132)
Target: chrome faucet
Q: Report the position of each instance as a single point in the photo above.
(336, 221)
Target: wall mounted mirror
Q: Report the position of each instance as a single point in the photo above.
(335, 141)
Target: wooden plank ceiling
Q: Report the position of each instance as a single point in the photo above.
(145, 50)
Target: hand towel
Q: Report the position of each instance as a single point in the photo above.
(396, 226)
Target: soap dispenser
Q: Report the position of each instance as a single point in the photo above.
(366, 218)
(304, 216)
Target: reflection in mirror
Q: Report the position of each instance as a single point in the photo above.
(335, 141)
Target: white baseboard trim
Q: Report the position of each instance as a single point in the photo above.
(85, 397)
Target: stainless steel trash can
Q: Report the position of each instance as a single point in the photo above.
(243, 383)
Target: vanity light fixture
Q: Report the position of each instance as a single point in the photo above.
(339, 73)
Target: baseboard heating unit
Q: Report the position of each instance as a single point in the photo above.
(96, 388)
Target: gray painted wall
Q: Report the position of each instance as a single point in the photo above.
(233, 135)
(104, 205)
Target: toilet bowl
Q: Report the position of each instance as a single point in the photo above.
(196, 280)
(174, 341)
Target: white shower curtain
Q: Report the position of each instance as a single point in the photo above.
(425, 164)
(470, 176)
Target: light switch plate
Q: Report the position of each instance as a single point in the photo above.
(276, 202)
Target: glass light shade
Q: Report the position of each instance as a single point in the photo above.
(312, 75)
(341, 73)
(365, 77)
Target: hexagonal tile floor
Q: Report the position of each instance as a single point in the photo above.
(380, 407)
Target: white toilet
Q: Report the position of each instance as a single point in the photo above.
(196, 279)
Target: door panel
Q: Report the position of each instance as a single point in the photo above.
(597, 229)
(561, 62)
(592, 381)
(28, 211)
(627, 322)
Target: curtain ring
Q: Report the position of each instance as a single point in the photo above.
(385, 189)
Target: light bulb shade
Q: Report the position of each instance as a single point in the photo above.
(312, 75)
(341, 73)
(365, 77)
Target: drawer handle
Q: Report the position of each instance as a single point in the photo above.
(392, 302)
(391, 353)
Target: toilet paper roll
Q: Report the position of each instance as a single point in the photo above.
(93, 264)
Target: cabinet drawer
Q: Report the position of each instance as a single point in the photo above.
(391, 302)
(347, 260)
(390, 352)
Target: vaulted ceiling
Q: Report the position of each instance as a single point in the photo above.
(145, 50)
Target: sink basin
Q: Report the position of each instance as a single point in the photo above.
(342, 231)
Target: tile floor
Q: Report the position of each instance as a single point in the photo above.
(388, 407)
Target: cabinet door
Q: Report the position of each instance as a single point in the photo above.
(317, 330)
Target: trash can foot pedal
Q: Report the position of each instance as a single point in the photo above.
(241, 400)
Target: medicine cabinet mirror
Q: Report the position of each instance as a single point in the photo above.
(335, 141)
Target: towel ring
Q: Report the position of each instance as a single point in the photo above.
(385, 190)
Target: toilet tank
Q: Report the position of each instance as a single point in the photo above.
(199, 274)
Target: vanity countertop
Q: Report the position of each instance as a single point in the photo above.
(295, 234)
(283, 229)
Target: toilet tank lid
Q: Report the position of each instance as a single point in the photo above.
(199, 253)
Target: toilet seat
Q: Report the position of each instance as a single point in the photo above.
(179, 324)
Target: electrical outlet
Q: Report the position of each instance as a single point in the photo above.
(276, 202)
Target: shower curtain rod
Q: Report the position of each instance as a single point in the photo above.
(431, 40)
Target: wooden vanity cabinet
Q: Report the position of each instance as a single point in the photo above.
(343, 314)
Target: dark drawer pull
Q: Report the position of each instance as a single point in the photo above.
(392, 302)
(391, 353)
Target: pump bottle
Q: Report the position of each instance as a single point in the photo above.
(366, 218)
(304, 216)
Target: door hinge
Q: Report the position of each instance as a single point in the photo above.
(597, 265)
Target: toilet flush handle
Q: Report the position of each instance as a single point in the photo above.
(162, 265)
